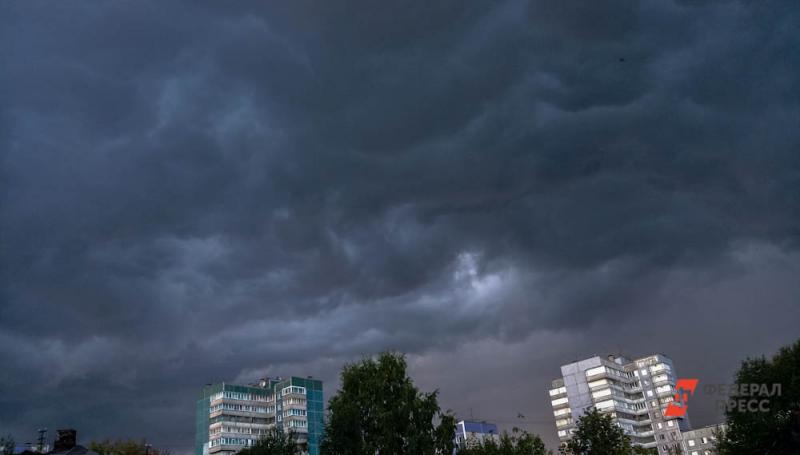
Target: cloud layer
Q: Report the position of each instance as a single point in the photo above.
(194, 193)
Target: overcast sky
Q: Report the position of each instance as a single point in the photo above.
(214, 191)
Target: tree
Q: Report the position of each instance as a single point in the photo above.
(275, 442)
(517, 443)
(597, 434)
(124, 447)
(379, 411)
(775, 430)
(6, 445)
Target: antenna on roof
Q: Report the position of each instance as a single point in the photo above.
(40, 440)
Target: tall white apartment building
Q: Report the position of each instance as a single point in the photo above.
(634, 392)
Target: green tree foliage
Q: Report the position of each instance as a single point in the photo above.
(776, 431)
(597, 434)
(123, 447)
(379, 411)
(517, 443)
(275, 442)
(6, 445)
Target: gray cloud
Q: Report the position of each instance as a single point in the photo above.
(217, 192)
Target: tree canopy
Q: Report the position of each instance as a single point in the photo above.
(517, 443)
(275, 442)
(124, 447)
(774, 428)
(6, 445)
(379, 411)
(597, 434)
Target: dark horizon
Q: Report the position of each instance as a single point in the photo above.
(197, 192)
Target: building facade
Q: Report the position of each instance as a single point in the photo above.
(702, 441)
(634, 392)
(231, 417)
(469, 433)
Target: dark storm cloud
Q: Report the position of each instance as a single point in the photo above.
(213, 192)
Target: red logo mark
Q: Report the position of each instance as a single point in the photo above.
(683, 390)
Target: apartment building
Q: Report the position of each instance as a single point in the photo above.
(231, 417)
(634, 392)
(469, 433)
(702, 441)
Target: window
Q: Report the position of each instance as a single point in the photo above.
(298, 424)
(294, 390)
(664, 389)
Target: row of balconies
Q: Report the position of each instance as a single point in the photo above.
(247, 402)
(225, 423)
(241, 413)
(621, 395)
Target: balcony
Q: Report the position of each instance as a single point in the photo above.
(560, 403)
(665, 392)
(558, 393)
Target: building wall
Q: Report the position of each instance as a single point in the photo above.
(231, 417)
(468, 432)
(634, 392)
(202, 419)
(315, 407)
(701, 441)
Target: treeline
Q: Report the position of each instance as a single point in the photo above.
(378, 410)
(124, 447)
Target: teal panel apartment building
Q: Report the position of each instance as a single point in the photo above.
(231, 417)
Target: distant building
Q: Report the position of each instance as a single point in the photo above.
(634, 392)
(66, 444)
(702, 441)
(231, 417)
(468, 433)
